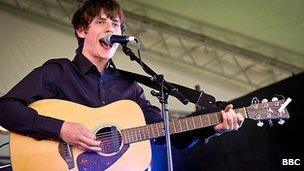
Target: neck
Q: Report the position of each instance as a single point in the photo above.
(100, 63)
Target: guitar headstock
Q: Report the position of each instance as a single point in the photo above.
(273, 110)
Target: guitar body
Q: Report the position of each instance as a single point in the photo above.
(28, 154)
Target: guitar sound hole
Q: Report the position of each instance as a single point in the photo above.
(111, 140)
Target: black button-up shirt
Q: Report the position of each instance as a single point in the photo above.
(77, 81)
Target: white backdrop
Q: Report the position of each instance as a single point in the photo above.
(27, 42)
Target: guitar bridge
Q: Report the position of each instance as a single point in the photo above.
(66, 153)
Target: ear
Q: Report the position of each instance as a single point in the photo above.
(80, 31)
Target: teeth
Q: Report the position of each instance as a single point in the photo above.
(104, 44)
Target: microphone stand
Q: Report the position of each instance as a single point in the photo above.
(166, 90)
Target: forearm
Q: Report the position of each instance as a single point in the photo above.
(17, 117)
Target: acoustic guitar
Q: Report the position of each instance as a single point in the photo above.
(122, 130)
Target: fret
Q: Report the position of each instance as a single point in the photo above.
(133, 132)
(149, 136)
(143, 133)
(191, 126)
(149, 132)
(161, 130)
(124, 137)
(127, 139)
(179, 125)
(153, 130)
(213, 119)
(131, 135)
(136, 134)
(217, 119)
(187, 126)
(205, 120)
(193, 121)
(174, 128)
(127, 135)
(242, 111)
(140, 134)
(157, 130)
(197, 122)
(200, 118)
(208, 119)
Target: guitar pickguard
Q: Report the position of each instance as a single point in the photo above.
(91, 161)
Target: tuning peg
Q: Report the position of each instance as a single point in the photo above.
(264, 101)
(274, 99)
(260, 123)
(270, 122)
(281, 122)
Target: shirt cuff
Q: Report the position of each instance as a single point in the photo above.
(49, 127)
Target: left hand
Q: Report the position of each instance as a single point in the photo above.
(231, 120)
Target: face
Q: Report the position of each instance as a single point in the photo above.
(98, 29)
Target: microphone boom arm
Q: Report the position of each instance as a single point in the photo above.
(168, 88)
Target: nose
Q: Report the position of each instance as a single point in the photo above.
(109, 27)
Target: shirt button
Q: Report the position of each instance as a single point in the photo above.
(103, 102)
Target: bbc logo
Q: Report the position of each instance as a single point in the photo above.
(291, 162)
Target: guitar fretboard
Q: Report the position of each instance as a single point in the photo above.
(156, 130)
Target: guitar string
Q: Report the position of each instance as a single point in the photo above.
(112, 133)
(145, 130)
(107, 138)
(107, 135)
(148, 129)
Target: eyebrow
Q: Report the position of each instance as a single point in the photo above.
(103, 18)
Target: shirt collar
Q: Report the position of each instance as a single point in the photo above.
(84, 64)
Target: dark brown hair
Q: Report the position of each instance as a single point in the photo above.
(84, 15)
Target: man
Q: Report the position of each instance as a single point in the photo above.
(90, 79)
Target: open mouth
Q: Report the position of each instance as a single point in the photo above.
(104, 44)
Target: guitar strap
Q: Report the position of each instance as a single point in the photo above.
(199, 98)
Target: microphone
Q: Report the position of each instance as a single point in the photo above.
(110, 39)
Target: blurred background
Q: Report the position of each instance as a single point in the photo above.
(234, 50)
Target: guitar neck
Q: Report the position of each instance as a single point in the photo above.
(156, 130)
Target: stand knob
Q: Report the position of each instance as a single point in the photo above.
(270, 122)
(281, 122)
(260, 123)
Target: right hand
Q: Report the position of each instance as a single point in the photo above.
(79, 136)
